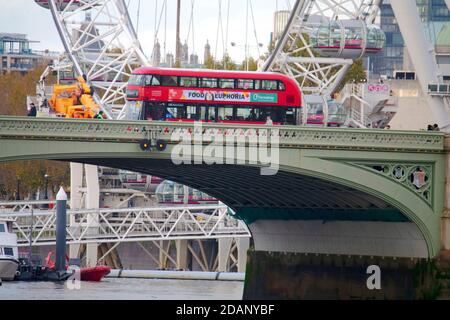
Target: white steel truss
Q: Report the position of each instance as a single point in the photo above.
(23, 206)
(102, 44)
(126, 225)
(293, 54)
(201, 256)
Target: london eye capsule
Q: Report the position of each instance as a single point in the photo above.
(349, 39)
(62, 4)
(169, 192)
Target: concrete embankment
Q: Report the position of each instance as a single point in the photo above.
(176, 275)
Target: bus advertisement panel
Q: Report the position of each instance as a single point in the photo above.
(222, 96)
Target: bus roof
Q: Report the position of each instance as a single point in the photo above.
(212, 73)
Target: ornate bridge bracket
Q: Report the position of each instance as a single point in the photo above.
(416, 177)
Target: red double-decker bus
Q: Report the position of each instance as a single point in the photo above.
(213, 96)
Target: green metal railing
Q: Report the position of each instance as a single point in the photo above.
(289, 136)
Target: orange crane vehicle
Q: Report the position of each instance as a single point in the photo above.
(72, 100)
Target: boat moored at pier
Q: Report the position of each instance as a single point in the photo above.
(8, 252)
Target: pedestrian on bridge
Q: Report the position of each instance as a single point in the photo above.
(33, 110)
(100, 115)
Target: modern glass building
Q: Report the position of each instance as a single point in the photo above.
(16, 54)
(434, 14)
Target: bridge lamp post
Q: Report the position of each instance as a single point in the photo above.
(246, 47)
(18, 189)
(46, 177)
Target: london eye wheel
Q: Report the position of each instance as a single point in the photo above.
(322, 39)
(100, 40)
(319, 44)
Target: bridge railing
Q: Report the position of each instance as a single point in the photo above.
(20, 206)
(295, 136)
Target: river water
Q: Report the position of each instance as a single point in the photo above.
(125, 289)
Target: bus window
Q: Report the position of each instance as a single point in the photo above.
(279, 114)
(168, 115)
(192, 113)
(173, 113)
(148, 80)
(202, 113)
(258, 85)
(134, 110)
(151, 81)
(188, 82)
(254, 114)
(209, 83)
(153, 111)
(212, 113)
(225, 113)
(265, 112)
(243, 114)
(290, 116)
(226, 83)
(169, 81)
(269, 85)
(246, 84)
(281, 86)
(136, 80)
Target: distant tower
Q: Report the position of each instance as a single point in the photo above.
(170, 60)
(280, 21)
(185, 54)
(207, 54)
(156, 60)
(86, 33)
(193, 59)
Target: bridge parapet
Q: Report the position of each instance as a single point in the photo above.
(289, 136)
(446, 215)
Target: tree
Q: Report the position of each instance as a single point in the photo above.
(177, 64)
(225, 64)
(14, 88)
(356, 74)
(209, 63)
(31, 175)
(249, 64)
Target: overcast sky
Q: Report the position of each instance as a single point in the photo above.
(24, 16)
